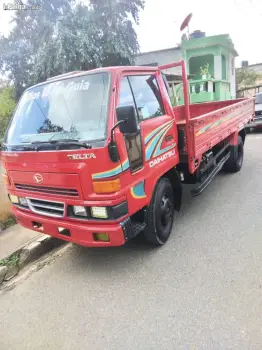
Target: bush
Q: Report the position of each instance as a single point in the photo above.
(7, 106)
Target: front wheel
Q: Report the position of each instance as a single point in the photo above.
(235, 161)
(160, 213)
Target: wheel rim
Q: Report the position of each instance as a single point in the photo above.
(166, 211)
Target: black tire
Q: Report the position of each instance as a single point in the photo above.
(235, 161)
(160, 213)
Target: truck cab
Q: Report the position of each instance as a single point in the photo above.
(68, 174)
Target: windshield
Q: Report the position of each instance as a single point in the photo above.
(259, 99)
(74, 108)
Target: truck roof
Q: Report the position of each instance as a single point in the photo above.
(121, 69)
(117, 69)
(105, 69)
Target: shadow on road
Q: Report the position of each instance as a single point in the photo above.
(133, 253)
(137, 251)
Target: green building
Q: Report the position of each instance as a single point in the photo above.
(211, 67)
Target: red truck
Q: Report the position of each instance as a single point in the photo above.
(98, 157)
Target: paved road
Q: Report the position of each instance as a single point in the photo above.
(202, 290)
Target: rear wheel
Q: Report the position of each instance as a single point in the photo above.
(235, 161)
(160, 213)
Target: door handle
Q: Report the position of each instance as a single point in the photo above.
(169, 138)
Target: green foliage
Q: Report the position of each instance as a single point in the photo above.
(65, 36)
(11, 261)
(7, 106)
(204, 70)
(246, 77)
(7, 221)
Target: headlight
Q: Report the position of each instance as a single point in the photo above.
(99, 212)
(79, 211)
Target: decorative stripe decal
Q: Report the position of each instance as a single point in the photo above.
(152, 144)
(125, 165)
(158, 151)
(153, 139)
(216, 123)
(165, 150)
(113, 172)
(138, 191)
(152, 133)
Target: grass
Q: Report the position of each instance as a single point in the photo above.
(7, 219)
(11, 261)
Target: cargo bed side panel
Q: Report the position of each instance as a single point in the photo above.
(208, 130)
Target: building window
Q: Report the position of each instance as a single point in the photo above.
(233, 66)
(224, 68)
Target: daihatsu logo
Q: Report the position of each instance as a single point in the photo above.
(38, 178)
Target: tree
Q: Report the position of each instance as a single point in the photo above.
(31, 29)
(246, 78)
(65, 36)
(7, 106)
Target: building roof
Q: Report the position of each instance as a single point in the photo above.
(156, 51)
(250, 66)
(210, 41)
(255, 64)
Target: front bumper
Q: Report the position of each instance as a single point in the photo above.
(80, 233)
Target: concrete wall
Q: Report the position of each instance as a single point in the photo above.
(161, 57)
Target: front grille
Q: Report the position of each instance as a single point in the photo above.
(258, 113)
(48, 190)
(40, 206)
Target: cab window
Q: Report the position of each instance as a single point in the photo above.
(126, 96)
(147, 96)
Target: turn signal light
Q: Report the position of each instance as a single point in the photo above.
(6, 179)
(107, 186)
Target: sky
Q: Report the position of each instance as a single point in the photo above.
(242, 19)
(161, 19)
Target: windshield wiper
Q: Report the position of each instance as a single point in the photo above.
(62, 142)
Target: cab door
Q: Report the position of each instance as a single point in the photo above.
(157, 132)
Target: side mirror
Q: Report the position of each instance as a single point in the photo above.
(127, 114)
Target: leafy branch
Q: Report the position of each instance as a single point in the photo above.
(246, 77)
(205, 69)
